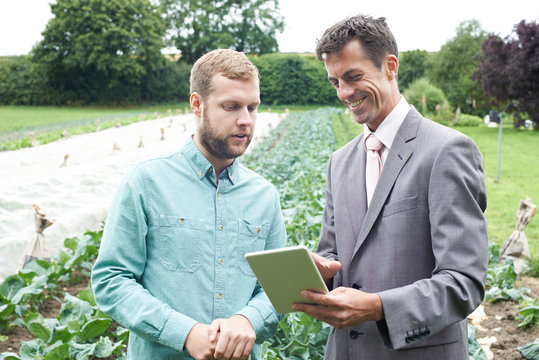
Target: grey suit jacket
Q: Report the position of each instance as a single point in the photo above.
(421, 245)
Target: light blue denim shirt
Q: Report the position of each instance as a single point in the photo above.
(173, 247)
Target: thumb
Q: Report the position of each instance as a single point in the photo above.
(328, 268)
(213, 330)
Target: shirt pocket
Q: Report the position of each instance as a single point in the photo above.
(179, 243)
(250, 238)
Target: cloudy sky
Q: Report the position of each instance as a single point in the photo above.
(416, 24)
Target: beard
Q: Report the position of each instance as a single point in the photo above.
(215, 144)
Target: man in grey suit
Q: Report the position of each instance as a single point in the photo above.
(406, 263)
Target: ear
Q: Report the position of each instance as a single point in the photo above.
(392, 66)
(195, 100)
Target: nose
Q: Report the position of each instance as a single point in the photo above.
(246, 117)
(344, 91)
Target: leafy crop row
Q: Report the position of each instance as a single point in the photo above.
(81, 330)
(294, 159)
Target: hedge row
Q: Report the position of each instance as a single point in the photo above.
(285, 79)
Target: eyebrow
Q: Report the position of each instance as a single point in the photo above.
(346, 73)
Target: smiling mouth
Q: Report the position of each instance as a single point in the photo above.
(356, 103)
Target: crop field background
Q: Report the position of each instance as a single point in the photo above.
(293, 157)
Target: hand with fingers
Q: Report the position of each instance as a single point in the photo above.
(233, 338)
(198, 343)
(342, 307)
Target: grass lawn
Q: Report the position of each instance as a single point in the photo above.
(47, 122)
(519, 177)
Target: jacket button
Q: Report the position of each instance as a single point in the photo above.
(354, 334)
(356, 286)
(408, 339)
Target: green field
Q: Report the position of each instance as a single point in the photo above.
(519, 174)
(519, 163)
(48, 122)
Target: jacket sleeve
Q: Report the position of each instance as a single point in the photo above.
(458, 231)
(259, 310)
(119, 268)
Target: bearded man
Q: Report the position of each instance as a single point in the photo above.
(171, 266)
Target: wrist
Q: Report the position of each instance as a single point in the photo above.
(377, 307)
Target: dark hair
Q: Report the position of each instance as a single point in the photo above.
(373, 34)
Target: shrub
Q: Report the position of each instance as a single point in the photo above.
(293, 79)
(424, 96)
(467, 120)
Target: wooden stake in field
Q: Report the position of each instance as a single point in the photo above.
(64, 164)
(38, 248)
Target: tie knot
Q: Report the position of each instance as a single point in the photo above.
(372, 143)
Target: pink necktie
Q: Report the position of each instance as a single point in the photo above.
(374, 164)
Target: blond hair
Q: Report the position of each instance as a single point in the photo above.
(228, 63)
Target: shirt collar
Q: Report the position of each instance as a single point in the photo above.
(202, 166)
(387, 130)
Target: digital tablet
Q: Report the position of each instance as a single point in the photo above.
(284, 273)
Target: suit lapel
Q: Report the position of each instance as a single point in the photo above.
(401, 150)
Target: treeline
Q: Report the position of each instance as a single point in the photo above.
(285, 79)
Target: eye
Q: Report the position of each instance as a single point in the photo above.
(230, 107)
(334, 83)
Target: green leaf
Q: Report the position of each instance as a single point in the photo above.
(33, 349)
(81, 351)
(11, 285)
(6, 309)
(88, 296)
(94, 328)
(37, 326)
(58, 351)
(122, 334)
(71, 243)
(61, 333)
(105, 347)
(9, 356)
(74, 311)
(531, 350)
(35, 288)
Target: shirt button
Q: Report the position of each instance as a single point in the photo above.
(181, 221)
(219, 296)
(210, 170)
(220, 261)
(257, 230)
(220, 227)
(219, 193)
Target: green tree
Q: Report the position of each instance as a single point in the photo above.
(412, 65)
(198, 26)
(453, 66)
(100, 50)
